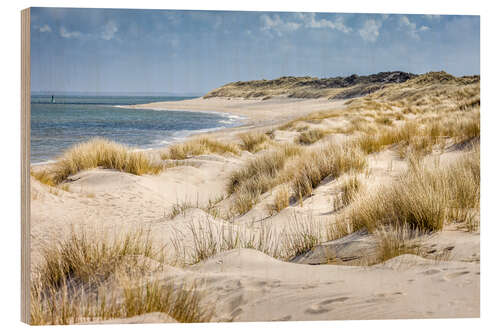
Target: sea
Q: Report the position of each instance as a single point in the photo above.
(58, 124)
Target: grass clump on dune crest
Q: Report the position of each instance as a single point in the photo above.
(94, 154)
(424, 198)
(262, 173)
(94, 277)
(184, 304)
(253, 141)
(197, 147)
(300, 235)
(349, 189)
(65, 306)
(393, 241)
(281, 201)
(331, 160)
(259, 176)
(84, 259)
(311, 136)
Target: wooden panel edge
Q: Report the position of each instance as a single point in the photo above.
(25, 165)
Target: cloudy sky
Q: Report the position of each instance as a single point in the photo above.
(186, 52)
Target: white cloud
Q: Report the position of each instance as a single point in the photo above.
(411, 27)
(370, 30)
(69, 34)
(109, 30)
(45, 28)
(276, 24)
(310, 21)
(301, 20)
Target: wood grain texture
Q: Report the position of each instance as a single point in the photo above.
(25, 165)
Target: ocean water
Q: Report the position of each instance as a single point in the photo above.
(73, 119)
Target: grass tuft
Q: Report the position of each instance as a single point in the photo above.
(350, 189)
(311, 136)
(424, 198)
(97, 153)
(197, 147)
(330, 160)
(91, 277)
(253, 141)
(393, 241)
(280, 202)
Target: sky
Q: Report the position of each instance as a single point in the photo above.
(192, 52)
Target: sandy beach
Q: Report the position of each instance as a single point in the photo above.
(187, 209)
(257, 111)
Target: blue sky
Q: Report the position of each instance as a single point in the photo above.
(186, 52)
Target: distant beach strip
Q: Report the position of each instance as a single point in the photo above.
(60, 122)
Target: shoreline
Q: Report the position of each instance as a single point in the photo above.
(231, 120)
(249, 113)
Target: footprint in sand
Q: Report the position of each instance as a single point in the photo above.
(431, 272)
(457, 274)
(321, 307)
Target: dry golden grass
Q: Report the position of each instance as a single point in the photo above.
(97, 153)
(393, 241)
(416, 200)
(300, 235)
(424, 198)
(90, 277)
(350, 189)
(311, 136)
(197, 147)
(281, 201)
(463, 180)
(315, 118)
(384, 121)
(338, 228)
(253, 141)
(180, 207)
(305, 172)
(330, 160)
(259, 176)
(244, 200)
(84, 259)
(184, 303)
(67, 305)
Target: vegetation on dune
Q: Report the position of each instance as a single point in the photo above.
(309, 87)
(393, 241)
(424, 198)
(301, 234)
(330, 160)
(311, 136)
(281, 200)
(94, 154)
(197, 147)
(180, 208)
(84, 259)
(254, 141)
(93, 277)
(349, 189)
(262, 173)
(257, 177)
